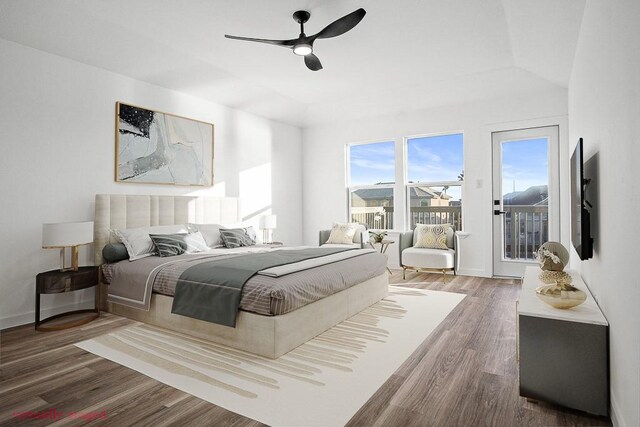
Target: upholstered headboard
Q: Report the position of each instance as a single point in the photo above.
(120, 211)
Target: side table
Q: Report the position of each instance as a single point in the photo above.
(55, 282)
(384, 245)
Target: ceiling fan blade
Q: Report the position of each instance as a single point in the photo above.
(342, 25)
(283, 43)
(312, 62)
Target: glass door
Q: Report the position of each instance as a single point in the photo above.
(525, 196)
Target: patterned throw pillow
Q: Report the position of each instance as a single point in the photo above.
(432, 236)
(138, 242)
(169, 244)
(342, 234)
(237, 237)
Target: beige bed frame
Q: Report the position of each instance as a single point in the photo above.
(269, 336)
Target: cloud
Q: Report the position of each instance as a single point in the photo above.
(424, 153)
(387, 165)
(433, 173)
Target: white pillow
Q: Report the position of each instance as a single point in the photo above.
(210, 232)
(432, 236)
(137, 240)
(342, 234)
(195, 243)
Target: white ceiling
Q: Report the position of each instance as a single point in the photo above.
(404, 55)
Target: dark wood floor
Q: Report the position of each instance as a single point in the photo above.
(464, 374)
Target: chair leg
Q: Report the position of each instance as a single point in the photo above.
(444, 276)
(404, 270)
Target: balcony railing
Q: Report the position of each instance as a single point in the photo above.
(382, 217)
(375, 218)
(525, 229)
(437, 215)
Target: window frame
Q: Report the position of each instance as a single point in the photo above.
(408, 185)
(350, 188)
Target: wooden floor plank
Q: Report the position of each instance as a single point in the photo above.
(464, 373)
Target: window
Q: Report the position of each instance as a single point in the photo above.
(371, 177)
(434, 180)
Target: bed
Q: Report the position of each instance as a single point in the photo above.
(264, 328)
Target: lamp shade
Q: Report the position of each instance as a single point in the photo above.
(64, 234)
(267, 222)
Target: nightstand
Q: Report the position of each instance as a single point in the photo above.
(55, 282)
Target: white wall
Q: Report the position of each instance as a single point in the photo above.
(57, 137)
(604, 109)
(325, 198)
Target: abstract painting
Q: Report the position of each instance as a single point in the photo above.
(161, 148)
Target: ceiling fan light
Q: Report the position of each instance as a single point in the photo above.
(302, 49)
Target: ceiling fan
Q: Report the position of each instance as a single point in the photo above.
(303, 45)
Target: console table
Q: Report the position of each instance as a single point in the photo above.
(563, 355)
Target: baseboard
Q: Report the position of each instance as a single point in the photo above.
(461, 272)
(476, 272)
(29, 317)
(616, 415)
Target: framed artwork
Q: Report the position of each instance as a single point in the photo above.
(153, 147)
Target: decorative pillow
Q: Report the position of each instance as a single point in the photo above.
(169, 244)
(195, 243)
(114, 252)
(210, 232)
(251, 232)
(432, 236)
(236, 237)
(342, 234)
(138, 242)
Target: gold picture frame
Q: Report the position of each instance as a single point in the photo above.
(154, 147)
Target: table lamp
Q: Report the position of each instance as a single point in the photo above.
(67, 235)
(267, 224)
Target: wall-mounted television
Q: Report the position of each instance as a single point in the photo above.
(580, 218)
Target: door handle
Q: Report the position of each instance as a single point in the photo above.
(498, 212)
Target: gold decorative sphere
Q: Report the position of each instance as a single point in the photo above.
(560, 252)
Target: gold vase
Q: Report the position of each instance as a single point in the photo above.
(551, 277)
(561, 295)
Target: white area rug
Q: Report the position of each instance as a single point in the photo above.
(321, 383)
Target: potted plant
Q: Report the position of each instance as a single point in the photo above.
(377, 236)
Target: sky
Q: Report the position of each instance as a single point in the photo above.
(435, 158)
(524, 164)
(372, 163)
(440, 158)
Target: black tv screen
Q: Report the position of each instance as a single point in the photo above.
(580, 220)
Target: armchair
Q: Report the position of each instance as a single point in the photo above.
(420, 259)
(360, 239)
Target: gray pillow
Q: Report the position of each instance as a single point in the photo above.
(237, 237)
(169, 244)
(114, 252)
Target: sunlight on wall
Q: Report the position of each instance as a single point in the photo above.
(255, 194)
(218, 190)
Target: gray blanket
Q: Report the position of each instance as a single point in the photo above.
(211, 290)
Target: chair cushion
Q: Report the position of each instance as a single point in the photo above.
(428, 258)
(449, 233)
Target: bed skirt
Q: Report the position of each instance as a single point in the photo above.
(268, 336)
